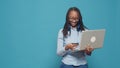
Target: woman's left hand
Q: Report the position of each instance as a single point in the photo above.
(89, 49)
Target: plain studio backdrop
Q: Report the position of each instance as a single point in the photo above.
(29, 29)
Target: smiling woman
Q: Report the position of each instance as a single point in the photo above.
(73, 18)
(68, 36)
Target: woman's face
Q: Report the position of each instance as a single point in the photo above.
(73, 18)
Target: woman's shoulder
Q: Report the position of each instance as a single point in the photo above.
(60, 30)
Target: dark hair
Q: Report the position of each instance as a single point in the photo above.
(80, 25)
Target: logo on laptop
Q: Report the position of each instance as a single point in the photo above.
(93, 39)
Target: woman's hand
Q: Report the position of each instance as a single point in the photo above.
(89, 49)
(70, 46)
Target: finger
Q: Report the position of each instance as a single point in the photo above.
(71, 46)
(87, 48)
(91, 48)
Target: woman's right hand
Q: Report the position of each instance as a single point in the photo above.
(70, 46)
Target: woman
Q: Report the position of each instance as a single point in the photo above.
(68, 39)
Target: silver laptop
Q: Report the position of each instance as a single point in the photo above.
(95, 38)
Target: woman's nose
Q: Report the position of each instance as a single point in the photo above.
(74, 21)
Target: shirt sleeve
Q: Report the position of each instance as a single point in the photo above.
(60, 44)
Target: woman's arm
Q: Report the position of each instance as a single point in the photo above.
(61, 51)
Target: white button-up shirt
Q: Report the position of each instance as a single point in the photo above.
(76, 57)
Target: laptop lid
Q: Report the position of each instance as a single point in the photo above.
(93, 38)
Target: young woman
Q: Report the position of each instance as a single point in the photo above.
(68, 39)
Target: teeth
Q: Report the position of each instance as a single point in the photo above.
(74, 23)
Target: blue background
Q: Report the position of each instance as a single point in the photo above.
(29, 28)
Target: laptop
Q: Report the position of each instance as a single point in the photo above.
(94, 38)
